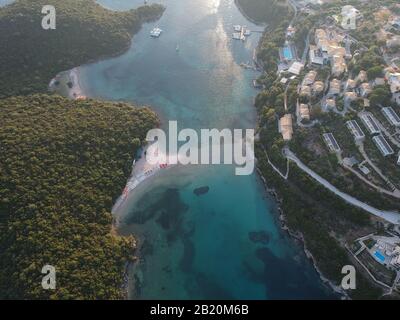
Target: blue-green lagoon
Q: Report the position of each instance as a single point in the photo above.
(226, 243)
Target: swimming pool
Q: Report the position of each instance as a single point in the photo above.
(287, 53)
(379, 256)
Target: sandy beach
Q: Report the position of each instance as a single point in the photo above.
(142, 169)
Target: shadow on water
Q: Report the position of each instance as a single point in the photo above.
(284, 279)
(210, 288)
(166, 208)
(164, 205)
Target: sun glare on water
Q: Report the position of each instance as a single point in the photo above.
(213, 5)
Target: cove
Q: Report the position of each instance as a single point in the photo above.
(226, 243)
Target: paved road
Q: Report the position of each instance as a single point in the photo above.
(390, 216)
(376, 169)
(285, 96)
(284, 176)
(395, 193)
(306, 48)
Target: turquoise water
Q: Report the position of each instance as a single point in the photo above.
(227, 242)
(287, 53)
(380, 256)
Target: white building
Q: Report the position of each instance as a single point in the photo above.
(355, 129)
(364, 169)
(393, 42)
(330, 104)
(391, 116)
(395, 261)
(379, 82)
(396, 98)
(296, 68)
(309, 78)
(318, 87)
(383, 145)
(328, 48)
(350, 96)
(305, 91)
(286, 127)
(393, 81)
(350, 84)
(316, 56)
(350, 11)
(304, 112)
(370, 122)
(335, 87)
(339, 65)
(331, 142)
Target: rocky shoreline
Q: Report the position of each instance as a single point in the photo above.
(74, 72)
(298, 236)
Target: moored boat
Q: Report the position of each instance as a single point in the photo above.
(156, 32)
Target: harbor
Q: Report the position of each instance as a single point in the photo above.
(241, 32)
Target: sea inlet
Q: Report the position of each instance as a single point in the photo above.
(204, 232)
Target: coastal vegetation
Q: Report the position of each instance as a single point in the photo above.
(85, 31)
(325, 223)
(63, 163)
(265, 11)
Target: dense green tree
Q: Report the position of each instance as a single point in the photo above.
(85, 31)
(63, 163)
(265, 11)
(380, 95)
(375, 72)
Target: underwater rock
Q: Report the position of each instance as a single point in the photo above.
(200, 191)
(259, 237)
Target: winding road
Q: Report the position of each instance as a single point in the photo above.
(390, 216)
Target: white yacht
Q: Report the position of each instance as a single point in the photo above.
(247, 32)
(155, 33)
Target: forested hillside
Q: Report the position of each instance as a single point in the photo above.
(264, 11)
(62, 165)
(85, 31)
